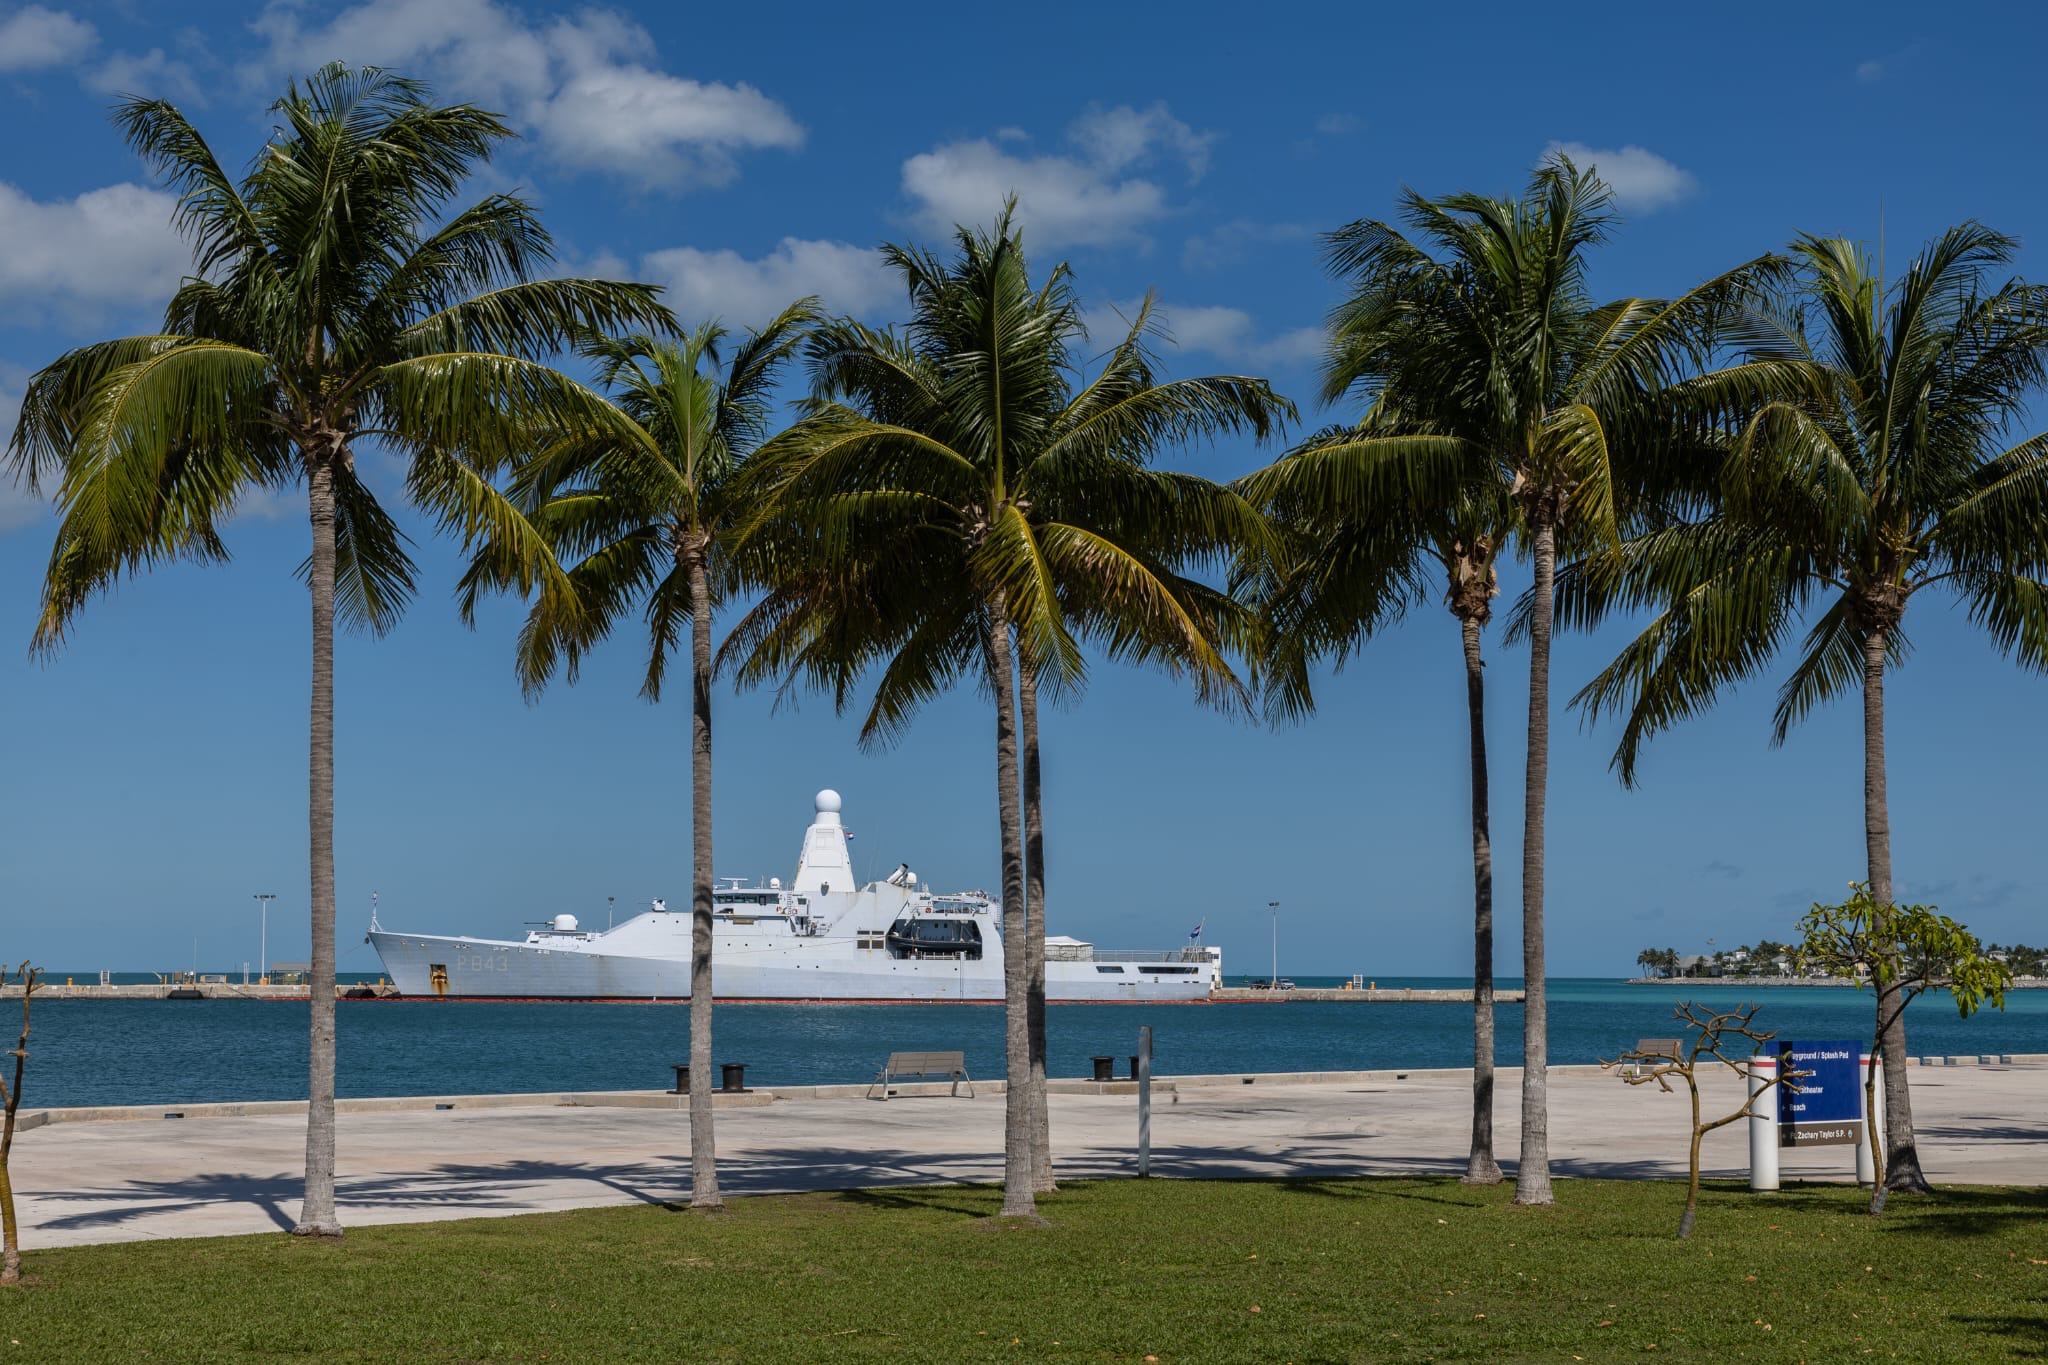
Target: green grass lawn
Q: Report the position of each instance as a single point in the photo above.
(1189, 1271)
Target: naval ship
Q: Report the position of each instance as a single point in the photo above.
(820, 939)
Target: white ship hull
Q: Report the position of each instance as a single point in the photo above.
(887, 942)
(480, 969)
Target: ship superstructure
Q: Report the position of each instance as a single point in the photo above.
(820, 938)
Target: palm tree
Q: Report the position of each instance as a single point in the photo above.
(646, 506)
(333, 300)
(958, 504)
(1358, 566)
(1518, 377)
(1365, 556)
(1867, 453)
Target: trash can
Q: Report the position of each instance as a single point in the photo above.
(682, 1079)
(735, 1077)
(1105, 1068)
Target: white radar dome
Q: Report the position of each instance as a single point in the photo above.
(565, 924)
(775, 883)
(828, 802)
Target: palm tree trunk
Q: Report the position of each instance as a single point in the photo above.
(1042, 1181)
(703, 1147)
(1532, 1176)
(1017, 1174)
(1480, 1167)
(1902, 1159)
(316, 1215)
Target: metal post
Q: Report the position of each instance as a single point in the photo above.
(1144, 1099)
(1873, 1121)
(1274, 906)
(263, 899)
(1763, 1123)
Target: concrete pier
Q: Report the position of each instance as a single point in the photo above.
(1366, 996)
(183, 990)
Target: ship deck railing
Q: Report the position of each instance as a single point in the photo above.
(1151, 955)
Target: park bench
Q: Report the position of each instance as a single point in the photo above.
(923, 1066)
(1654, 1051)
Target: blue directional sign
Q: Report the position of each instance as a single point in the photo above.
(1823, 1109)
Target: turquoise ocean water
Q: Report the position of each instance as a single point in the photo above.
(149, 1052)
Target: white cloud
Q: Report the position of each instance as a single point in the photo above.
(110, 248)
(1639, 177)
(1337, 125)
(1123, 136)
(1086, 199)
(749, 291)
(152, 74)
(482, 49)
(660, 129)
(33, 37)
(1870, 73)
(580, 84)
(1230, 334)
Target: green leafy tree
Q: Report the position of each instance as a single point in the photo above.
(962, 504)
(333, 300)
(645, 505)
(1499, 371)
(1863, 449)
(1908, 950)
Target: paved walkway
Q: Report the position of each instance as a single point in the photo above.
(80, 1182)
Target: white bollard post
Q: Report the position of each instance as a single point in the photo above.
(1145, 1099)
(1866, 1165)
(1763, 1123)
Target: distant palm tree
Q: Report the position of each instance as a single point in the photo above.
(1868, 453)
(331, 302)
(1497, 350)
(958, 505)
(646, 507)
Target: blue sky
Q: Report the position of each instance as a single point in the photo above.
(152, 777)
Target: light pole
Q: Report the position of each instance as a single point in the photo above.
(263, 899)
(1274, 906)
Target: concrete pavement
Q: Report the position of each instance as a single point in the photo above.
(79, 1182)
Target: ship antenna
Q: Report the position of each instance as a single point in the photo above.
(373, 912)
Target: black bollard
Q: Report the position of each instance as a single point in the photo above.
(682, 1079)
(735, 1077)
(1105, 1068)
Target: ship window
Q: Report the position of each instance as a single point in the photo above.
(1168, 971)
(1118, 971)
